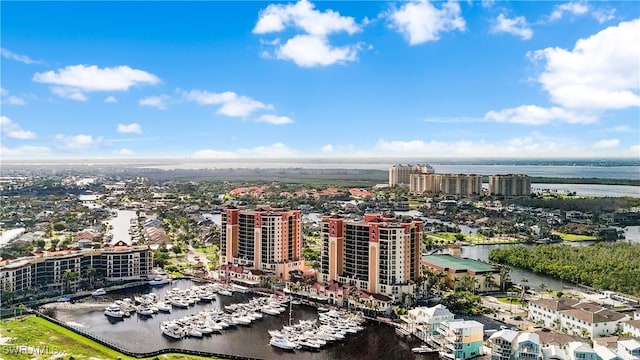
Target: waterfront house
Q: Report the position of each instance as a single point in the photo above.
(629, 349)
(528, 347)
(428, 318)
(460, 339)
(501, 344)
(631, 327)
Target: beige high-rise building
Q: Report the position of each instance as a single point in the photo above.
(400, 175)
(510, 185)
(376, 254)
(263, 238)
(446, 184)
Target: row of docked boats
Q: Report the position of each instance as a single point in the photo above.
(214, 320)
(149, 304)
(309, 335)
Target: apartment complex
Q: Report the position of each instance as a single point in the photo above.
(510, 185)
(377, 254)
(575, 318)
(446, 184)
(399, 175)
(263, 238)
(46, 271)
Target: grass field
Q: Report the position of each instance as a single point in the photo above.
(574, 237)
(31, 337)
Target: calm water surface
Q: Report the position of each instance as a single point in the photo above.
(377, 341)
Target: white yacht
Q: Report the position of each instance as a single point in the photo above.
(282, 343)
(172, 330)
(164, 307)
(99, 292)
(113, 311)
(159, 281)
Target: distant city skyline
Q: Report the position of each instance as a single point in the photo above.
(232, 80)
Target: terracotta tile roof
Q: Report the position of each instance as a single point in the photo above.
(556, 305)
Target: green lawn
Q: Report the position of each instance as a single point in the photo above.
(208, 249)
(507, 300)
(36, 333)
(574, 237)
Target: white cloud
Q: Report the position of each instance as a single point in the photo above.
(7, 99)
(72, 81)
(12, 130)
(536, 115)
(155, 101)
(312, 47)
(274, 119)
(311, 51)
(420, 21)
(604, 14)
(213, 154)
(619, 128)
(111, 99)
(601, 72)
(23, 151)
(232, 104)
(78, 142)
(573, 8)
(124, 152)
(6, 53)
(132, 128)
(634, 150)
(302, 15)
(274, 150)
(69, 93)
(606, 143)
(327, 148)
(517, 26)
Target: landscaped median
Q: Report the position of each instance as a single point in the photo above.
(31, 337)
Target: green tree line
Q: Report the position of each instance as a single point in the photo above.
(603, 266)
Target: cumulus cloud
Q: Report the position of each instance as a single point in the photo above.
(6, 53)
(600, 72)
(420, 21)
(159, 101)
(78, 142)
(606, 143)
(311, 47)
(274, 119)
(311, 51)
(517, 26)
(7, 99)
(24, 151)
(231, 104)
(536, 115)
(111, 99)
(604, 14)
(327, 148)
(132, 128)
(12, 130)
(273, 150)
(124, 152)
(573, 8)
(74, 80)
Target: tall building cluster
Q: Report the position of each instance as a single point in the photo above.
(377, 254)
(264, 238)
(510, 185)
(400, 175)
(422, 179)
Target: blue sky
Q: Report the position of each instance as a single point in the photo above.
(218, 79)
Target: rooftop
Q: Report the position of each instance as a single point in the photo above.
(456, 263)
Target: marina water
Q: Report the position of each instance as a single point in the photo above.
(139, 333)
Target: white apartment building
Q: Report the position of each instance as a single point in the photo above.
(428, 318)
(400, 175)
(501, 344)
(575, 318)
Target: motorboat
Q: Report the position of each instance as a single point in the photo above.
(114, 311)
(225, 292)
(159, 281)
(179, 304)
(172, 330)
(282, 343)
(423, 349)
(269, 310)
(99, 292)
(164, 307)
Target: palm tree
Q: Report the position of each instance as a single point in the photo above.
(504, 274)
(91, 273)
(542, 287)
